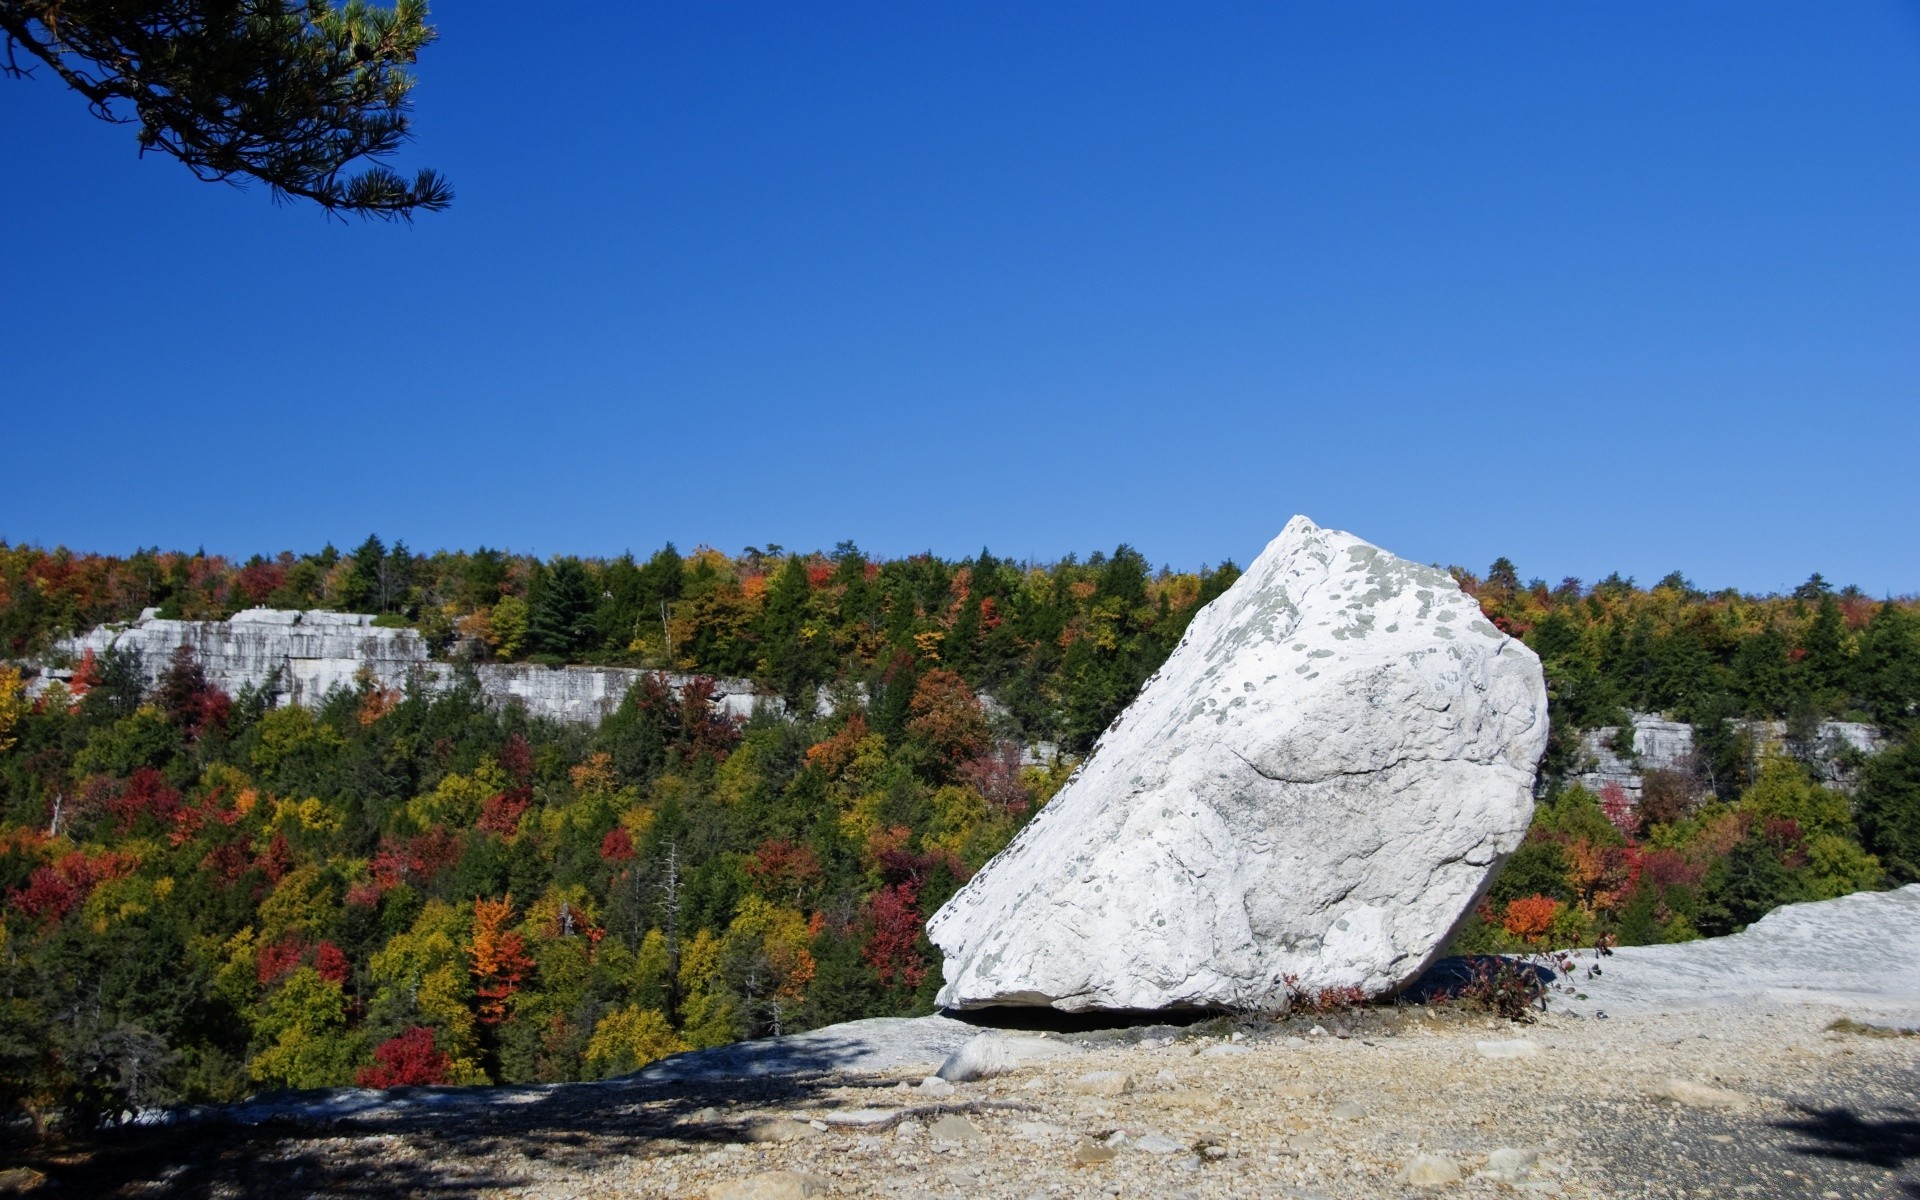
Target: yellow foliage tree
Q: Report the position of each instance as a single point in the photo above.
(629, 1038)
(13, 695)
(307, 1042)
(707, 1013)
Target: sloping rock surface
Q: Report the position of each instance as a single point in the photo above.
(1309, 794)
(1861, 952)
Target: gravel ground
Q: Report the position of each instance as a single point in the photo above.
(1768, 1104)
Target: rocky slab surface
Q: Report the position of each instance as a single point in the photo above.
(1733, 1104)
(1309, 794)
(1860, 952)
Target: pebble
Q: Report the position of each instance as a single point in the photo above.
(953, 1129)
(783, 1129)
(1508, 1165)
(1430, 1170)
(1348, 1110)
(933, 1085)
(1507, 1048)
(1698, 1095)
(1088, 1153)
(769, 1185)
(1104, 1083)
(1225, 1050)
(1155, 1143)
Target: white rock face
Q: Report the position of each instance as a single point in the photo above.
(302, 656)
(1310, 793)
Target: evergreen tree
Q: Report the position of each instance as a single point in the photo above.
(561, 620)
(1887, 809)
(289, 94)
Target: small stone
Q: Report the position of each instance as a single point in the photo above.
(1225, 1050)
(1155, 1143)
(953, 1129)
(933, 1085)
(1295, 1042)
(1698, 1095)
(782, 1129)
(1214, 1152)
(1296, 1091)
(859, 1118)
(769, 1185)
(1038, 1131)
(1317, 1031)
(1347, 1110)
(1104, 1083)
(1430, 1170)
(1088, 1153)
(909, 1130)
(1507, 1048)
(986, 1055)
(1508, 1165)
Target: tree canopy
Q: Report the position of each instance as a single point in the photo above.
(304, 97)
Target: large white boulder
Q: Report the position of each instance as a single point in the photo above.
(1309, 794)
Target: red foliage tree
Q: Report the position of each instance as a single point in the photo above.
(995, 774)
(409, 1060)
(516, 759)
(278, 859)
(501, 813)
(893, 927)
(144, 794)
(782, 868)
(948, 717)
(277, 960)
(331, 962)
(617, 846)
(53, 891)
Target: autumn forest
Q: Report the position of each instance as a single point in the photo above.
(207, 896)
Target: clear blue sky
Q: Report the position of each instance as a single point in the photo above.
(1596, 286)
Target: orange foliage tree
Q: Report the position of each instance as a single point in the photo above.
(499, 955)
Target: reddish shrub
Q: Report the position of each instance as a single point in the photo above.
(53, 891)
(501, 813)
(995, 774)
(409, 1060)
(617, 846)
(780, 867)
(277, 960)
(1530, 918)
(278, 859)
(894, 924)
(145, 794)
(1618, 807)
(331, 962)
(434, 851)
(227, 862)
(1670, 868)
(516, 759)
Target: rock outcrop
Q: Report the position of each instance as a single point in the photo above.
(1610, 758)
(1309, 794)
(301, 656)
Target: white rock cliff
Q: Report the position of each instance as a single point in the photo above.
(1309, 794)
(302, 656)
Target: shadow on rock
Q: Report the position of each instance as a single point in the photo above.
(1889, 1142)
(428, 1142)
